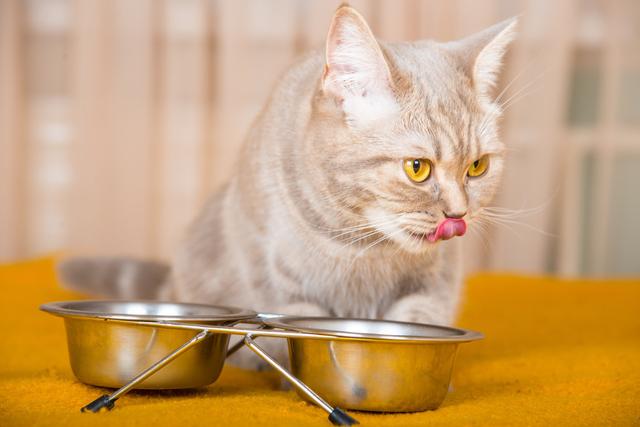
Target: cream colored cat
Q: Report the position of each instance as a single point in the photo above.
(364, 159)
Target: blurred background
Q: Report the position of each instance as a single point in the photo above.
(118, 118)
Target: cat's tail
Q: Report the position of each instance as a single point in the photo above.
(118, 278)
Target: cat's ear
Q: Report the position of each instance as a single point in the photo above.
(356, 72)
(483, 52)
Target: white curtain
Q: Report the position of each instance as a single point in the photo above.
(118, 118)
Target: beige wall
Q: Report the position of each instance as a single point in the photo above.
(117, 118)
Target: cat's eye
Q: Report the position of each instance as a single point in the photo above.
(479, 167)
(418, 170)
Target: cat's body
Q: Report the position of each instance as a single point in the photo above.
(319, 217)
(266, 241)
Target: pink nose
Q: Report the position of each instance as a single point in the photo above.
(447, 229)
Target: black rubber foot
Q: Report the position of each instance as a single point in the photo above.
(340, 418)
(103, 402)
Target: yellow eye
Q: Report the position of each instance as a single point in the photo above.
(479, 167)
(418, 170)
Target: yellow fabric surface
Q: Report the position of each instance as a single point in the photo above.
(556, 353)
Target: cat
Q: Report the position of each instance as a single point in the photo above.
(366, 158)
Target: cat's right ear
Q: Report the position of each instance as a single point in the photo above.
(481, 54)
(356, 72)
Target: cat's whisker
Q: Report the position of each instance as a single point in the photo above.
(498, 98)
(349, 230)
(509, 215)
(371, 225)
(385, 221)
(399, 247)
(522, 224)
(521, 93)
(374, 226)
(415, 238)
(504, 106)
(424, 227)
(515, 78)
(365, 224)
(501, 210)
(474, 232)
(483, 233)
(522, 90)
(521, 211)
(508, 223)
(365, 236)
(381, 239)
(375, 230)
(492, 222)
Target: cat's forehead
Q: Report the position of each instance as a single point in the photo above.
(426, 69)
(440, 113)
(428, 82)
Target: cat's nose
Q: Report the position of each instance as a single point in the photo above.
(454, 215)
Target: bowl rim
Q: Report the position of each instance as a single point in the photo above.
(66, 309)
(462, 335)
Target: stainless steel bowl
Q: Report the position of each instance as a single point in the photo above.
(109, 354)
(370, 365)
(384, 367)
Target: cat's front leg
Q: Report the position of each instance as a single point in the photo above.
(422, 308)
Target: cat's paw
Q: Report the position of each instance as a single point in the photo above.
(419, 309)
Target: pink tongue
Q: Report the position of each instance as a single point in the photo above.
(447, 229)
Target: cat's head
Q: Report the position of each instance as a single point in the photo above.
(407, 132)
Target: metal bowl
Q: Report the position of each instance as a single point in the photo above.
(386, 367)
(109, 354)
(370, 365)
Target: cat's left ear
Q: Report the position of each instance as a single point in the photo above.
(481, 54)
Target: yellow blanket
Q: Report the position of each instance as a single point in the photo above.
(556, 353)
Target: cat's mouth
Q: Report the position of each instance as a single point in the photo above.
(447, 229)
